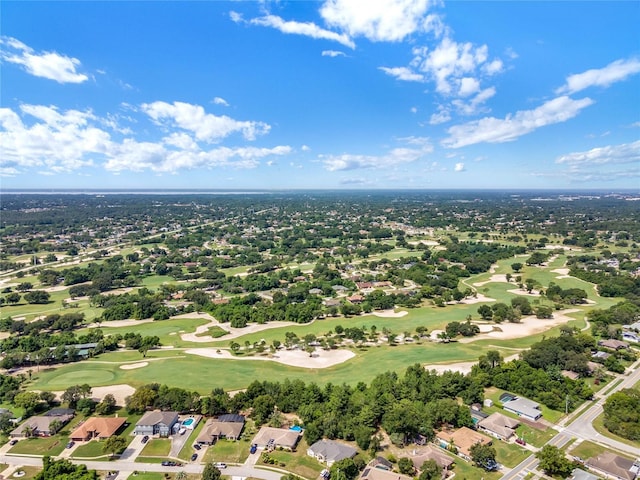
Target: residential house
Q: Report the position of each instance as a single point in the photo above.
(461, 440)
(613, 344)
(374, 473)
(157, 423)
(97, 427)
(631, 337)
(270, 437)
(225, 426)
(329, 452)
(614, 465)
(443, 460)
(498, 426)
(356, 298)
(569, 374)
(579, 474)
(39, 426)
(523, 407)
(60, 412)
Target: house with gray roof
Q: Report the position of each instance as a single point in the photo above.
(498, 426)
(329, 452)
(225, 426)
(523, 407)
(157, 423)
(614, 465)
(579, 474)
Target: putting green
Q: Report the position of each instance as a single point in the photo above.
(94, 376)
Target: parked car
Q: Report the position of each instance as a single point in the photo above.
(71, 444)
(221, 466)
(182, 431)
(145, 439)
(197, 446)
(194, 457)
(253, 448)
(520, 441)
(13, 442)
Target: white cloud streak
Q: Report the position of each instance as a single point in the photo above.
(333, 53)
(614, 72)
(50, 65)
(610, 154)
(394, 157)
(403, 73)
(496, 130)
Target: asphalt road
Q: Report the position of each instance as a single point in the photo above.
(582, 427)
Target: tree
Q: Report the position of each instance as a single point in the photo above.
(37, 297)
(210, 472)
(516, 267)
(344, 469)
(485, 312)
(405, 465)
(106, 406)
(13, 298)
(27, 400)
(430, 471)
(114, 445)
(74, 393)
(64, 470)
(554, 462)
(484, 456)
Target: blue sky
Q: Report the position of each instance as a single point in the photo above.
(330, 94)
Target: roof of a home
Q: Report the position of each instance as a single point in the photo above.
(41, 423)
(281, 436)
(464, 438)
(500, 424)
(157, 416)
(214, 428)
(614, 464)
(103, 427)
(332, 451)
(524, 406)
(372, 473)
(56, 412)
(431, 453)
(579, 474)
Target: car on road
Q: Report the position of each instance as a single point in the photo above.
(197, 446)
(221, 466)
(145, 439)
(194, 457)
(71, 444)
(253, 448)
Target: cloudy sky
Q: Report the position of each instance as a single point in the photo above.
(327, 94)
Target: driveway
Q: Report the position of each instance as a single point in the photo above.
(133, 449)
(177, 442)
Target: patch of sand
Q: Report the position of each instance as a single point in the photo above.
(120, 393)
(233, 332)
(563, 247)
(133, 366)
(528, 326)
(462, 367)
(561, 271)
(390, 313)
(431, 243)
(56, 288)
(477, 299)
(518, 291)
(120, 323)
(293, 358)
(495, 278)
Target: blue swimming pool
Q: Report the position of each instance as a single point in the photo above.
(188, 422)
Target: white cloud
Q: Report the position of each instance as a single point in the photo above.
(377, 20)
(459, 167)
(307, 29)
(468, 86)
(206, 126)
(403, 73)
(474, 105)
(413, 109)
(235, 17)
(496, 130)
(220, 101)
(305, 148)
(441, 116)
(333, 53)
(50, 65)
(394, 157)
(603, 77)
(43, 139)
(610, 154)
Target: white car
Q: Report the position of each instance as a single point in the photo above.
(221, 466)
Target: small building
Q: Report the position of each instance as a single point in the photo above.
(374, 473)
(523, 407)
(270, 437)
(330, 452)
(498, 426)
(579, 474)
(443, 460)
(600, 355)
(97, 427)
(488, 402)
(613, 344)
(225, 426)
(461, 440)
(157, 423)
(570, 375)
(614, 465)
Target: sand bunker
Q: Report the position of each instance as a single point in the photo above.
(520, 291)
(120, 323)
(293, 358)
(390, 314)
(561, 271)
(197, 336)
(133, 366)
(479, 298)
(495, 278)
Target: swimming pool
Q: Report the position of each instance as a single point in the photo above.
(188, 422)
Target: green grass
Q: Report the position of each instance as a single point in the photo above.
(188, 450)
(215, 332)
(598, 424)
(464, 469)
(29, 472)
(509, 454)
(90, 449)
(228, 451)
(586, 450)
(297, 462)
(40, 446)
(157, 447)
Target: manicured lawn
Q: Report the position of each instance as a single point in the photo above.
(90, 449)
(509, 454)
(161, 476)
(464, 469)
(228, 451)
(157, 447)
(187, 450)
(29, 472)
(40, 446)
(297, 462)
(598, 424)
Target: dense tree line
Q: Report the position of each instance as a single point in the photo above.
(622, 413)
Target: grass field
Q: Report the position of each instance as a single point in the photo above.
(228, 451)
(297, 462)
(157, 447)
(90, 449)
